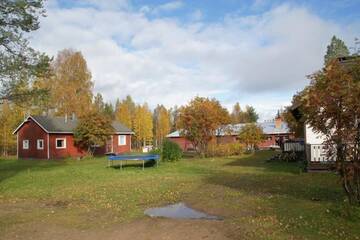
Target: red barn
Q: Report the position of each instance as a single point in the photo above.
(47, 137)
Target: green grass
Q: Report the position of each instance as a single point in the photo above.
(258, 200)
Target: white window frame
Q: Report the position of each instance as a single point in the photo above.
(38, 147)
(27, 145)
(122, 143)
(57, 139)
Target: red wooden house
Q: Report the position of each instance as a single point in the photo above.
(47, 137)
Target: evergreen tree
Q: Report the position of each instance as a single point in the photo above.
(109, 110)
(335, 49)
(18, 61)
(251, 114)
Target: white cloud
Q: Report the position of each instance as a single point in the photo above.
(106, 4)
(260, 59)
(166, 7)
(170, 6)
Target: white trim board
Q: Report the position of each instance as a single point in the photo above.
(26, 120)
(56, 139)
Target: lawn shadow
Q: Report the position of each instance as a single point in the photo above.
(277, 178)
(12, 167)
(270, 185)
(259, 160)
(132, 164)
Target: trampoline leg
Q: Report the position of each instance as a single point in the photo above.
(143, 164)
(120, 165)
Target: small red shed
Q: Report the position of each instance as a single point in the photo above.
(48, 137)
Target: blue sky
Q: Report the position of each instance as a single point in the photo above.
(253, 52)
(335, 10)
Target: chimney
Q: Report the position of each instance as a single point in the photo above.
(278, 121)
(66, 117)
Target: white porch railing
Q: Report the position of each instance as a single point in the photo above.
(293, 147)
(317, 153)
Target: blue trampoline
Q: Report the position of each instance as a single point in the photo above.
(143, 158)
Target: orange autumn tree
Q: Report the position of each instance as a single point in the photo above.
(200, 119)
(331, 106)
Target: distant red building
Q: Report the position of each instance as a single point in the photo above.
(52, 137)
(275, 131)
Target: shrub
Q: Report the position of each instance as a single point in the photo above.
(289, 157)
(156, 151)
(222, 150)
(171, 151)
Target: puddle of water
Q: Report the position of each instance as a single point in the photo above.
(179, 211)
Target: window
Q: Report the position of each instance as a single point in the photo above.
(122, 140)
(40, 144)
(25, 144)
(60, 143)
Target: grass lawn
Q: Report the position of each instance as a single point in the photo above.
(258, 200)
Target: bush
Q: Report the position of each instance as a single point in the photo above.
(156, 151)
(222, 150)
(171, 151)
(289, 157)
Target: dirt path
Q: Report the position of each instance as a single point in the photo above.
(144, 229)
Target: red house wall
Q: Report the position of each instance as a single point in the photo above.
(70, 151)
(124, 148)
(184, 144)
(226, 139)
(73, 151)
(31, 131)
(270, 140)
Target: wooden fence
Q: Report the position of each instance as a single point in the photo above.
(294, 147)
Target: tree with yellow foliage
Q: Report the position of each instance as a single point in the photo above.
(123, 115)
(125, 111)
(10, 116)
(70, 88)
(143, 125)
(161, 123)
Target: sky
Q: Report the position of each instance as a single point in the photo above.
(255, 52)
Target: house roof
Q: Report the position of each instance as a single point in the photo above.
(234, 129)
(59, 125)
(174, 134)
